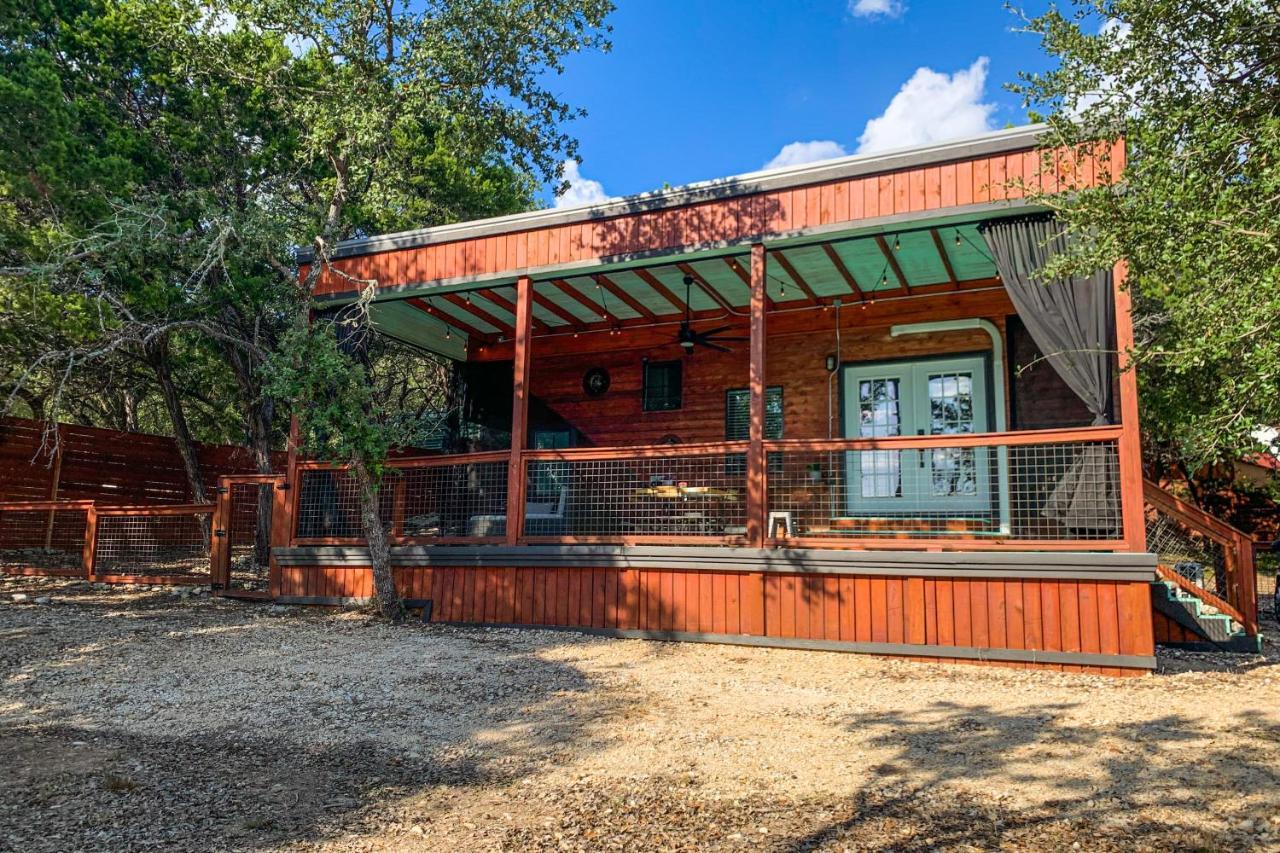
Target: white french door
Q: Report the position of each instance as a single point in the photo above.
(931, 397)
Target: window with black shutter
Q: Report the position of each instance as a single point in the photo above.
(737, 421)
(662, 385)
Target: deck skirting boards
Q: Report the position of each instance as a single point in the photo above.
(959, 653)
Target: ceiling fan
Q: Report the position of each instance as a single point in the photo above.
(711, 338)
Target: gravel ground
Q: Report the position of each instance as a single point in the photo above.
(139, 719)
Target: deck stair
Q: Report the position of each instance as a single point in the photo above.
(1207, 576)
(1219, 631)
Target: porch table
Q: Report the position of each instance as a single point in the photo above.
(678, 492)
(675, 520)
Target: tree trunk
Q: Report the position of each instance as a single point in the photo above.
(158, 357)
(259, 422)
(384, 584)
(259, 411)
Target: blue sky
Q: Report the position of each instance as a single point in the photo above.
(700, 89)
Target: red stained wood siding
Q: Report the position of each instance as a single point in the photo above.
(916, 190)
(796, 362)
(1093, 617)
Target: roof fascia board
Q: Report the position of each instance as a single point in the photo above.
(859, 165)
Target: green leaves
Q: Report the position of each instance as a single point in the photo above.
(1192, 88)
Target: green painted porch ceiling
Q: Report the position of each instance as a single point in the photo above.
(909, 259)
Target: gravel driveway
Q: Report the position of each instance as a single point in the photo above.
(137, 719)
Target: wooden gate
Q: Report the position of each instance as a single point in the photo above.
(249, 519)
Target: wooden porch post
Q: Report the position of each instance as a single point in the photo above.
(519, 408)
(755, 453)
(1130, 448)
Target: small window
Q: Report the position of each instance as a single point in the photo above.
(737, 425)
(737, 414)
(662, 385)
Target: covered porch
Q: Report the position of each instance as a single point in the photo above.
(865, 390)
(760, 408)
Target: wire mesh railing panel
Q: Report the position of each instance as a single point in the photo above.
(141, 543)
(1051, 491)
(329, 505)
(43, 539)
(441, 500)
(673, 495)
(415, 502)
(1190, 553)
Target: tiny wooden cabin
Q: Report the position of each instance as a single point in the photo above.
(816, 407)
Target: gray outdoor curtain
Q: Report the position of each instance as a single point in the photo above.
(1072, 322)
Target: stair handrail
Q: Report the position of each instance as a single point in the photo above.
(1237, 550)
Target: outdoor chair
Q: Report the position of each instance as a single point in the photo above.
(541, 518)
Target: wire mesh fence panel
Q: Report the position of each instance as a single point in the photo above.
(42, 539)
(672, 495)
(140, 543)
(249, 534)
(1190, 553)
(416, 502)
(1052, 491)
(1268, 562)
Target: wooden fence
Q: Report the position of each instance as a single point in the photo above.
(121, 468)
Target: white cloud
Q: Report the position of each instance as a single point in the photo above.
(877, 8)
(795, 153)
(931, 107)
(1116, 33)
(581, 190)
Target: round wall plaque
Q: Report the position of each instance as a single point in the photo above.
(595, 381)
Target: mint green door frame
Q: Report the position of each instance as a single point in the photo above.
(901, 403)
(997, 391)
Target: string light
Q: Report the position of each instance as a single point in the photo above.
(957, 238)
(897, 244)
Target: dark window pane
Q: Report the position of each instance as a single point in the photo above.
(662, 385)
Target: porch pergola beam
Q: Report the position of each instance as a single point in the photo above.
(756, 498)
(519, 407)
(946, 261)
(447, 318)
(626, 298)
(567, 316)
(661, 289)
(510, 307)
(834, 257)
(706, 287)
(810, 296)
(599, 311)
(889, 259)
(471, 308)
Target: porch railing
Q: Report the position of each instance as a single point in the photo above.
(433, 499)
(1052, 489)
(660, 494)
